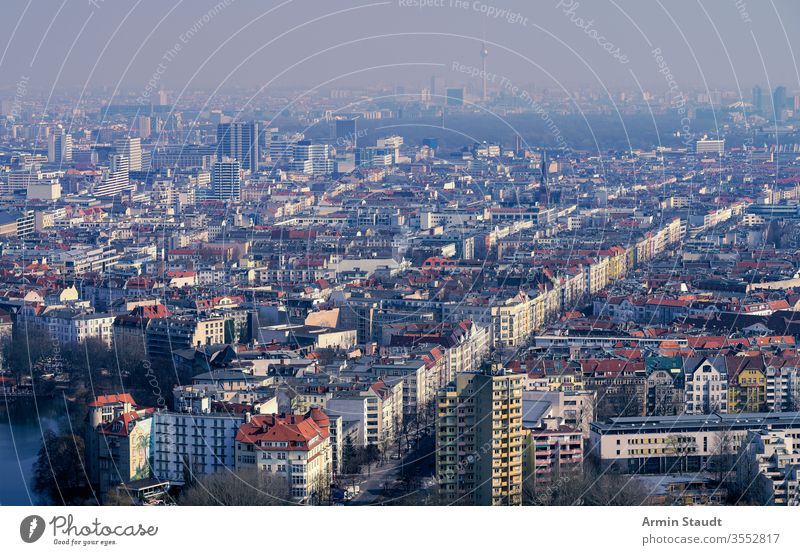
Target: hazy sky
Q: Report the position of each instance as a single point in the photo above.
(126, 43)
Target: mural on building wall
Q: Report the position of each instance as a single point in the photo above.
(140, 449)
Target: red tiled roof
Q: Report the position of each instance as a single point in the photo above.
(295, 429)
(101, 400)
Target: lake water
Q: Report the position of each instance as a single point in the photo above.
(22, 423)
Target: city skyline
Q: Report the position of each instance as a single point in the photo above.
(421, 253)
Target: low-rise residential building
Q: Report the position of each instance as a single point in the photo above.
(767, 465)
(302, 335)
(665, 386)
(378, 409)
(747, 390)
(706, 381)
(72, 325)
(552, 450)
(294, 447)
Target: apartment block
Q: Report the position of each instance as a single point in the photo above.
(479, 439)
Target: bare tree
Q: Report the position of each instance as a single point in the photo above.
(587, 486)
(748, 487)
(723, 457)
(320, 490)
(243, 487)
(680, 447)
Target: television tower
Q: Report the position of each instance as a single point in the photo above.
(484, 54)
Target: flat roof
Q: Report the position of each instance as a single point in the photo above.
(698, 422)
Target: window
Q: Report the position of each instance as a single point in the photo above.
(298, 492)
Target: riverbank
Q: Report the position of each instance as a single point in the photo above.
(23, 421)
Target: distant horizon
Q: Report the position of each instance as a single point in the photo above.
(347, 44)
(583, 87)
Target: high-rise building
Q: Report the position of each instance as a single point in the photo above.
(758, 100)
(312, 158)
(425, 95)
(59, 146)
(393, 144)
(281, 147)
(479, 438)
(544, 192)
(239, 140)
(386, 153)
(143, 127)
(130, 148)
(437, 88)
(455, 96)
(226, 180)
(115, 178)
(345, 131)
(779, 101)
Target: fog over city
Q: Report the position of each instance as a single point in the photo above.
(303, 43)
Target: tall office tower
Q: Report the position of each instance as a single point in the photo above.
(425, 95)
(437, 89)
(115, 178)
(143, 129)
(281, 148)
(226, 180)
(7, 108)
(455, 96)
(543, 177)
(265, 139)
(59, 146)
(312, 158)
(130, 148)
(544, 191)
(345, 131)
(779, 100)
(758, 100)
(479, 438)
(162, 98)
(239, 140)
(484, 55)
